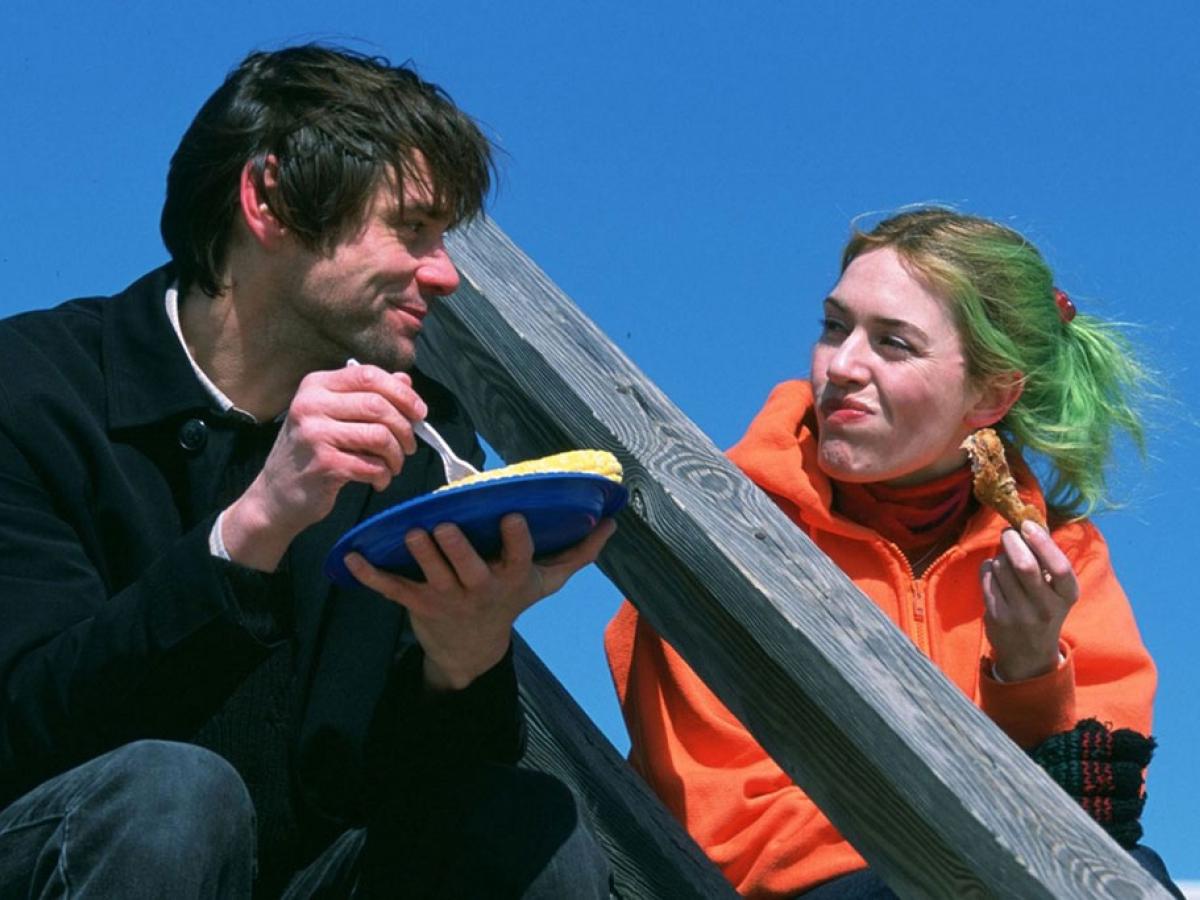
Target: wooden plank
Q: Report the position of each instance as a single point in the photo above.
(940, 802)
(651, 854)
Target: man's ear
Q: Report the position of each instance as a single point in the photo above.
(995, 399)
(252, 195)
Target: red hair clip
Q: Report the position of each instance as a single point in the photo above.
(1066, 309)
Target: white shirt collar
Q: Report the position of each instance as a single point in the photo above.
(223, 402)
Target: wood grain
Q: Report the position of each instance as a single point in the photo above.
(940, 802)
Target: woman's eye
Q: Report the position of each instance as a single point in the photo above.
(892, 342)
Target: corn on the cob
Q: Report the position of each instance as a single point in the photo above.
(596, 462)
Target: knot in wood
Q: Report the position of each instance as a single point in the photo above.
(638, 503)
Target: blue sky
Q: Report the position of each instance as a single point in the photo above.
(687, 173)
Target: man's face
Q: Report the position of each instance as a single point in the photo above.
(367, 298)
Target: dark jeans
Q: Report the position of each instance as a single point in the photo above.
(156, 819)
(866, 885)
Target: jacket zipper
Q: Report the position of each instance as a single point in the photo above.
(920, 626)
(916, 597)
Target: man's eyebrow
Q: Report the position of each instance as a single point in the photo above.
(431, 213)
(419, 208)
(898, 324)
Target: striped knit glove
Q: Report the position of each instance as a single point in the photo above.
(1102, 769)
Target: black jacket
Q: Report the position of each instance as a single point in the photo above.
(117, 624)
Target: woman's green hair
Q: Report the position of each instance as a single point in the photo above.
(1080, 381)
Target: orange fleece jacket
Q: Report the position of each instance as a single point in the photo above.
(763, 831)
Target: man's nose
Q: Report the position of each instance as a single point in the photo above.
(436, 274)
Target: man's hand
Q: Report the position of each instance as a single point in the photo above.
(350, 424)
(463, 613)
(1028, 589)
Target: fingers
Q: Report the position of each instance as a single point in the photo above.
(458, 557)
(1025, 595)
(1023, 620)
(516, 541)
(589, 548)
(387, 584)
(348, 425)
(363, 408)
(561, 566)
(448, 559)
(1030, 581)
(451, 564)
(368, 468)
(462, 615)
(351, 424)
(1028, 586)
(1028, 590)
(396, 387)
(1037, 562)
(993, 597)
(1055, 569)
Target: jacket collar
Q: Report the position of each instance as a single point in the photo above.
(779, 453)
(137, 338)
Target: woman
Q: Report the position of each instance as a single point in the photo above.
(940, 324)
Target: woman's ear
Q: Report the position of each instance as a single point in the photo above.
(995, 399)
(252, 195)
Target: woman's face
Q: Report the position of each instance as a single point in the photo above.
(889, 377)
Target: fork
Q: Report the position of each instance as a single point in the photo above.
(455, 466)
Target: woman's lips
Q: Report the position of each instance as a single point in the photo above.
(844, 412)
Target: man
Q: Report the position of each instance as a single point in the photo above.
(186, 699)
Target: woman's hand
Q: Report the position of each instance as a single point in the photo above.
(1028, 589)
(462, 614)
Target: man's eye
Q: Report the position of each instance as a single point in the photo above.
(831, 327)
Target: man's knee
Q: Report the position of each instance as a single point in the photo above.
(172, 796)
(149, 819)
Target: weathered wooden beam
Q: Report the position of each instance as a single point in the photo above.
(651, 854)
(940, 802)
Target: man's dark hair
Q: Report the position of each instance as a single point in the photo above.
(338, 123)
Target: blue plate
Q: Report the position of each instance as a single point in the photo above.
(560, 507)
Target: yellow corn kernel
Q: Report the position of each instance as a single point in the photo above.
(596, 462)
